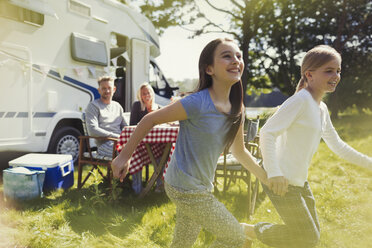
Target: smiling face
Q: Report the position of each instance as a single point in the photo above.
(106, 89)
(227, 64)
(325, 78)
(146, 96)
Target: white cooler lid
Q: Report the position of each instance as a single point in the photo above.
(42, 160)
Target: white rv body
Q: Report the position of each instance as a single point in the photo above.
(51, 54)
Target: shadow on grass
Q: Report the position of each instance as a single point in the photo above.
(88, 213)
(236, 201)
(100, 214)
(92, 209)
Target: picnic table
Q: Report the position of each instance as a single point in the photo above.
(158, 143)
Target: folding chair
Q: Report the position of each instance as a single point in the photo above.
(89, 156)
(231, 170)
(254, 149)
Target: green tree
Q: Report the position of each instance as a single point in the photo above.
(244, 17)
(273, 34)
(297, 25)
(166, 13)
(348, 28)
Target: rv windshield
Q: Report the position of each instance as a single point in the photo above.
(159, 82)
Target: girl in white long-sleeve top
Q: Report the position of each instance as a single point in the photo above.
(288, 141)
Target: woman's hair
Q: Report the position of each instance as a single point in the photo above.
(154, 106)
(236, 93)
(315, 58)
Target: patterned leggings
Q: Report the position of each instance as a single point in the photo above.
(297, 209)
(201, 209)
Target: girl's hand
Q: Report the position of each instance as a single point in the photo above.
(120, 168)
(279, 185)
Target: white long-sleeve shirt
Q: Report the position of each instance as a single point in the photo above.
(291, 136)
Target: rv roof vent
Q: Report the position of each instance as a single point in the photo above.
(79, 8)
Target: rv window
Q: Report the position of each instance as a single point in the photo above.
(88, 49)
(79, 8)
(16, 13)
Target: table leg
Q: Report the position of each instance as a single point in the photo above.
(158, 170)
(151, 155)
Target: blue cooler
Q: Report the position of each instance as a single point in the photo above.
(21, 183)
(59, 168)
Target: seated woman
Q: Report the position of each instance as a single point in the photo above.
(144, 105)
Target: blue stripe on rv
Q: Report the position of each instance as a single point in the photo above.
(76, 82)
(93, 90)
(22, 115)
(25, 114)
(44, 114)
(10, 114)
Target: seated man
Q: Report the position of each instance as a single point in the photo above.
(105, 117)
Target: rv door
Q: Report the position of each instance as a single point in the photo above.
(16, 93)
(139, 68)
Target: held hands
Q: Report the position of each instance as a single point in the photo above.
(279, 185)
(120, 167)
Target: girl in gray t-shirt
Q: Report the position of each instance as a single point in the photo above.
(210, 119)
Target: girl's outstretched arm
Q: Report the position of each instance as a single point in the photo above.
(170, 113)
(342, 149)
(241, 153)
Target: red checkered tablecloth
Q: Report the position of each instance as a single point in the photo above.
(157, 137)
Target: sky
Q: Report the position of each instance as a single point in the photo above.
(179, 54)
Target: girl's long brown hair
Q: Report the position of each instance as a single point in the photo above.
(236, 93)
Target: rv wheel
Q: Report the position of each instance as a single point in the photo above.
(65, 141)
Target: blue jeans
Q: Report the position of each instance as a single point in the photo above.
(301, 224)
(137, 182)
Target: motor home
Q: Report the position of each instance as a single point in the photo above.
(51, 54)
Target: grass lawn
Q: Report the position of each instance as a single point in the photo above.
(89, 218)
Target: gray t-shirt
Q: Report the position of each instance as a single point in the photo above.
(201, 140)
(104, 120)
